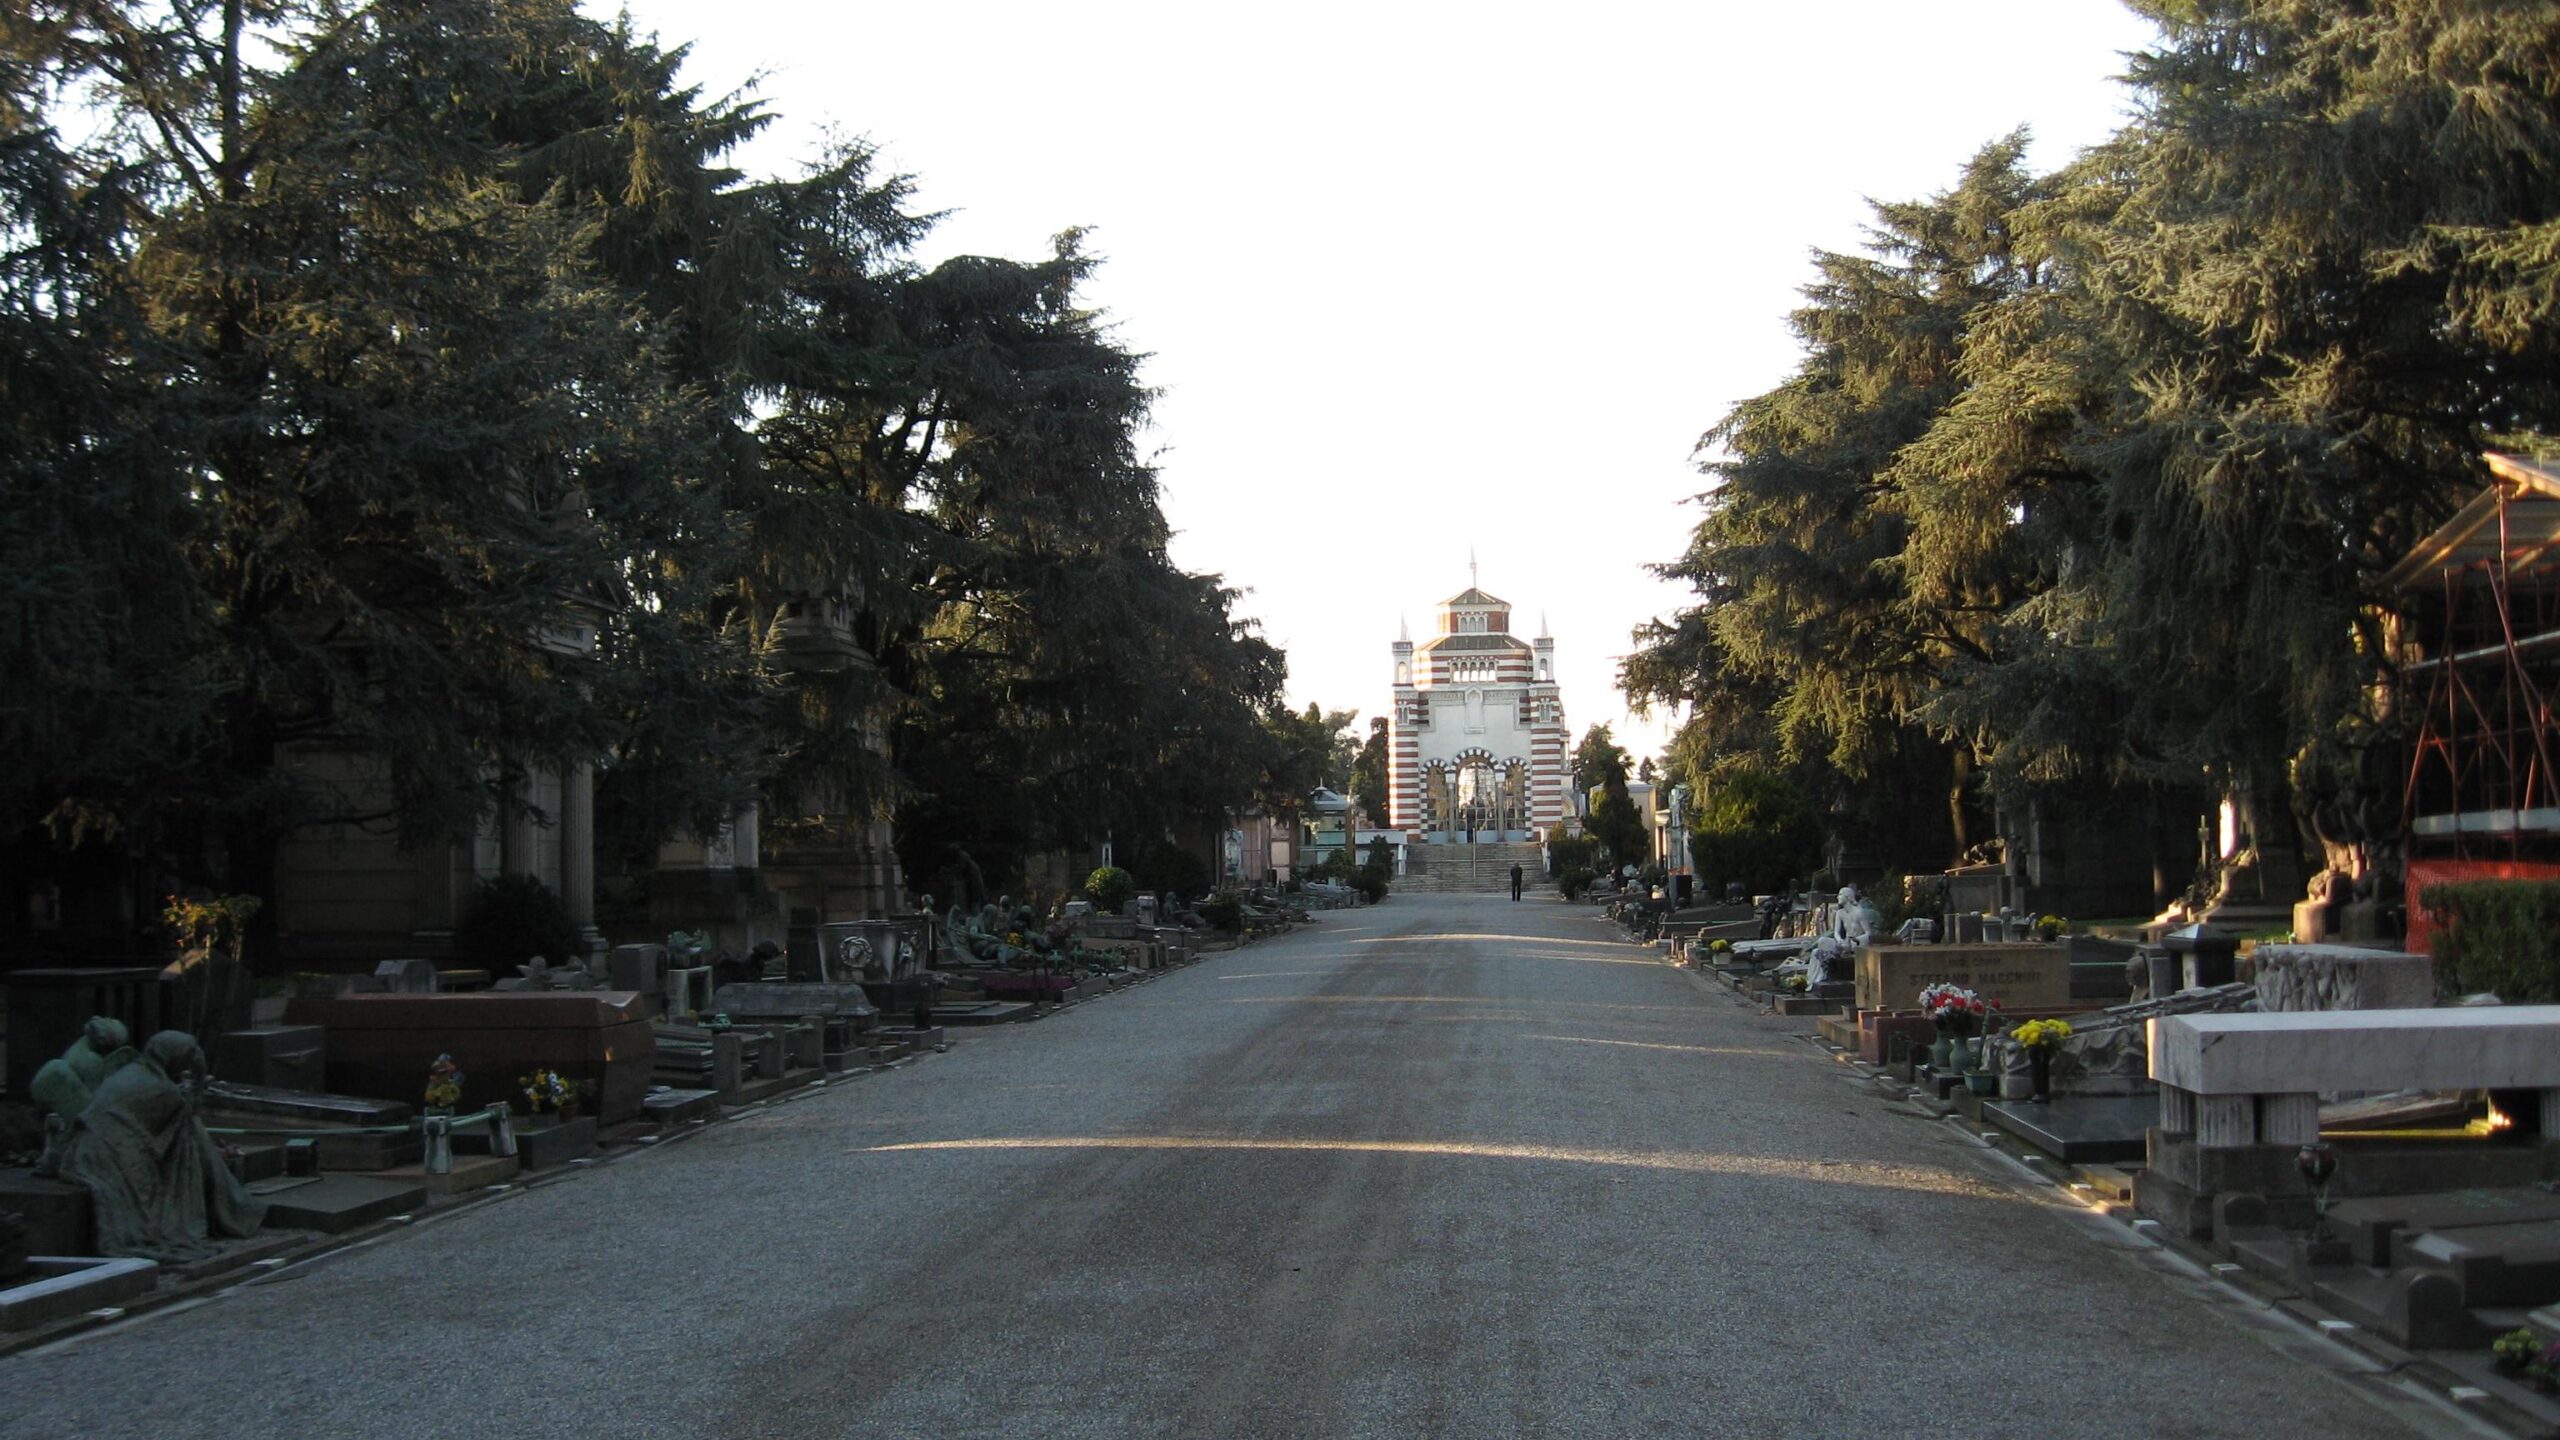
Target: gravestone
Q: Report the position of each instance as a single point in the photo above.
(2342, 977)
(2025, 979)
(642, 968)
(406, 977)
(2515, 1265)
(2373, 1224)
(381, 1045)
(286, 1057)
(56, 1213)
(843, 1013)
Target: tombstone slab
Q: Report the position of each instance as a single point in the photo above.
(2076, 1129)
(2372, 1224)
(336, 1204)
(2516, 1266)
(469, 1172)
(669, 1107)
(2025, 979)
(787, 1000)
(542, 1147)
(980, 1012)
(57, 1287)
(309, 1106)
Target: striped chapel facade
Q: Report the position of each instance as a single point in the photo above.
(1476, 738)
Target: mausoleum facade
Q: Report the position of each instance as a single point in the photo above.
(1476, 736)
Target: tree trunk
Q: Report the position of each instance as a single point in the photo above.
(1960, 765)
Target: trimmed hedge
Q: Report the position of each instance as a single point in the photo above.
(1372, 882)
(512, 919)
(1110, 888)
(2498, 935)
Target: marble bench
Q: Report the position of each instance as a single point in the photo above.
(2233, 1081)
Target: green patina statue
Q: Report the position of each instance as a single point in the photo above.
(154, 1176)
(63, 1087)
(984, 938)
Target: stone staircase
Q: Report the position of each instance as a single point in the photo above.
(1470, 869)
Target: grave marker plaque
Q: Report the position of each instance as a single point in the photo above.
(2023, 978)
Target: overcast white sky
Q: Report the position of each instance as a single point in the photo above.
(1418, 278)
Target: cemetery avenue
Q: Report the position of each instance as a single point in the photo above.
(1451, 1165)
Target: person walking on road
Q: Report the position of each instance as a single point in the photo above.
(1515, 882)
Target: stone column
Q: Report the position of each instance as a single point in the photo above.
(2177, 1110)
(2288, 1119)
(517, 833)
(578, 844)
(2226, 1122)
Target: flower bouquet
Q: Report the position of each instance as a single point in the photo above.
(444, 1085)
(2522, 1354)
(2051, 927)
(2045, 1035)
(2041, 1039)
(549, 1090)
(1955, 1010)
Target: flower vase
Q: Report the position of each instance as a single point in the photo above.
(1941, 1053)
(2040, 1073)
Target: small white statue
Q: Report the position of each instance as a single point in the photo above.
(1854, 918)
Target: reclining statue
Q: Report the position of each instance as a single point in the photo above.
(983, 938)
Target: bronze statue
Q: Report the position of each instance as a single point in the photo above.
(154, 1176)
(63, 1086)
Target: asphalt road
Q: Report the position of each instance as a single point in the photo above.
(1450, 1166)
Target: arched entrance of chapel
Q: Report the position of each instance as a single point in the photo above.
(1474, 793)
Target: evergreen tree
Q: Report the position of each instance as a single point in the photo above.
(112, 692)
(1369, 774)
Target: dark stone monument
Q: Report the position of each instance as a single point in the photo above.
(283, 1057)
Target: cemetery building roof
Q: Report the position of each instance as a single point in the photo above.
(1471, 597)
(2517, 517)
(1507, 643)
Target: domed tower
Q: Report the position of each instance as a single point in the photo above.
(1476, 735)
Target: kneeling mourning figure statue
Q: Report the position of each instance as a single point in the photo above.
(154, 1176)
(63, 1086)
